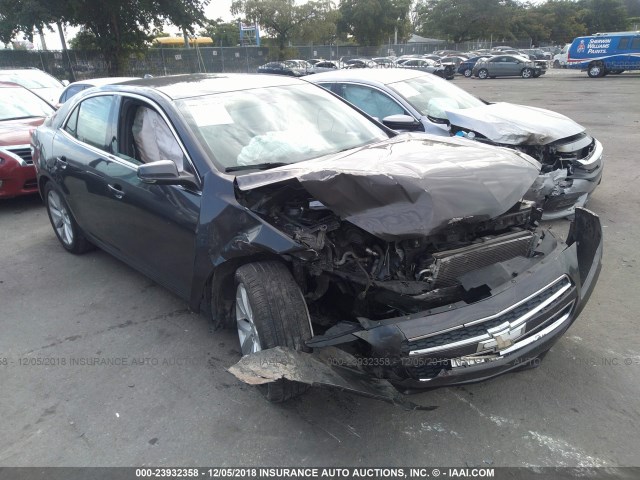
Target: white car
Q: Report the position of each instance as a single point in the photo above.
(39, 82)
(76, 87)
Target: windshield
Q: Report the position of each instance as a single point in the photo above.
(285, 124)
(433, 96)
(31, 79)
(20, 103)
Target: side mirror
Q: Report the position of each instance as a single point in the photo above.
(402, 122)
(165, 172)
(65, 82)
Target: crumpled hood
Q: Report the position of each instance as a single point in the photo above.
(511, 124)
(411, 185)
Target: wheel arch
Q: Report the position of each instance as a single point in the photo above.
(217, 294)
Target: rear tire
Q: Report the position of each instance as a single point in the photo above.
(467, 73)
(64, 225)
(483, 73)
(270, 307)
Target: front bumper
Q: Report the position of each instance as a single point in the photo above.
(16, 178)
(587, 175)
(471, 342)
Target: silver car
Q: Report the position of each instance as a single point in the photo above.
(571, 162)
(507, 66)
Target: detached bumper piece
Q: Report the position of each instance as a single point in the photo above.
(329, 367)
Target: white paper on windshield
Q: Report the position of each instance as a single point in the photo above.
(407, 91)
(207, 114)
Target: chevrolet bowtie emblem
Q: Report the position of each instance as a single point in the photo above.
(501, 339)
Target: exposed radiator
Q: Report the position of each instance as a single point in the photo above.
(448, 266)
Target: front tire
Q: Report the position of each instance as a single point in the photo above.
(596, 70)
(63, 223)
(271, 311)
(467, 72)
(527, 73)
(483, 74)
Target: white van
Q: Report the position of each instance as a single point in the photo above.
(560, 59)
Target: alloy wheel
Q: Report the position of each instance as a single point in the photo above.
(60, 218)
(247, 332)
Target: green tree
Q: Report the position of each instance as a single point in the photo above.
(463, 20)
(84, 40)
(605, 15)
(373, 22)
(224, 34)
(27, 16)
(120, 27)
(282, 19)
(633, 8)
(321, 25)
(564, 20)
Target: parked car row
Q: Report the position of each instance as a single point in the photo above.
(362, 256)
(501, 61)
(299, 68)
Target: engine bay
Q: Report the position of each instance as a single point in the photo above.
(347, 272)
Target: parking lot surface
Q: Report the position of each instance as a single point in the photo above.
(104, 367)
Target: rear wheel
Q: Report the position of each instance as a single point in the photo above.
(526, 73)
(63, 223)
(270, 312)
(596, 70)
(483, 73)
(467, 72)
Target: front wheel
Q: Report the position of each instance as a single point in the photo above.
(271, 311)
(483, 73)
(467, 72)
(63, 223)
(596, 70)
(527, 73)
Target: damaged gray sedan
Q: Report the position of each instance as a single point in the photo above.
(571, 160)
(343, 253)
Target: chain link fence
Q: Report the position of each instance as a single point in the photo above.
(78, 65)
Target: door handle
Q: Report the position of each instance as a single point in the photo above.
(62, 162)
(116, 191)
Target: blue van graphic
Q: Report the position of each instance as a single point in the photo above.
(605, 53)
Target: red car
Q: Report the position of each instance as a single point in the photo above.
(20, 111)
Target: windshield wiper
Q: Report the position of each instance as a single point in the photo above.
(256, 166)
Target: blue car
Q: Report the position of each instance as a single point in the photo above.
(466, 67)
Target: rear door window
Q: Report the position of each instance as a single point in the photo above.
(624, 43)
(635, 43)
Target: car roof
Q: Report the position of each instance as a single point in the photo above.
(371, 75)
(98, 82)
(186, 86)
